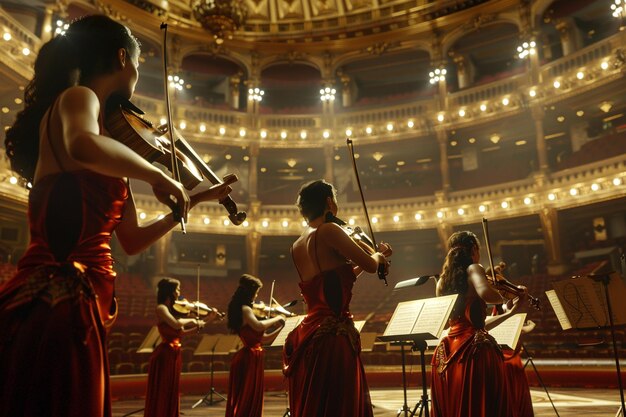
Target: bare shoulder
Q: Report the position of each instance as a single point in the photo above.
(161, 308)
(78, 96)
(331, 231)
(476, 269)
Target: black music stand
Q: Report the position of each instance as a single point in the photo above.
(605, 279)
(152, 340)
(413, 323)
(278, 343)
(590, 311)
(210, 345)
(529, 359)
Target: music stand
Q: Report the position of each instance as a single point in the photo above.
(605, 279)
(152, 339)
(210, 345)
(413, 323)
(278, 343)
(577, 305)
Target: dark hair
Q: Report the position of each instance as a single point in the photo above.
(244, 295)
(459, 258)
(88, 49)
(166, 288)
(312, 198)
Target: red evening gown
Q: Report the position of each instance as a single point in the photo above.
(166, 362)
(54, 312)
(246, 383)
(321, 357)
(517, 383)
(468, 378)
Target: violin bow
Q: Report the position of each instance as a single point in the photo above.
(269, 313)
(198, 291)
(170, 130)
(381, 267)
(488, 245)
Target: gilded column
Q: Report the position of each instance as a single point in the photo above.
(329, 174)
(549, 217)
(346, 90)
(461, 69)
(47, 26)
(253, 240)
(442, 139)
(253, 172)
(253, 251)
(542, 152)
(444, 230)
(567, 33)
(233, 85)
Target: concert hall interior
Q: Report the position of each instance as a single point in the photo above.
(458, 111)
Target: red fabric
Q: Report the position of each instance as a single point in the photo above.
(467, 379)
(519, 393)
(53, 352)
(166, 362)
(321, 357)
(246, 382)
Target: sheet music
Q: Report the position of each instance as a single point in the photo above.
(617, 295)
(558, 310)
(404, 318)
(419, 319)
(507, 333)
(580, 302)
(359, 325)
(153, 338)
(434, 315)
(290, 324)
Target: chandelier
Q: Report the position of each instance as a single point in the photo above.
(220, 17)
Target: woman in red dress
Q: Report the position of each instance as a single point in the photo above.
(55, 311)
(321, 357)
(246, 383)
(162, 396)
(468, 378)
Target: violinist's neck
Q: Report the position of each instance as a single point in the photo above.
(315, 223)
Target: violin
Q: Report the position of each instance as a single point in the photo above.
(501, 284)
(195, 309)
(506, 288)
(262, 311)
(356, 233)
(125, 122)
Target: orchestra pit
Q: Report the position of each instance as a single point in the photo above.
(459, 113)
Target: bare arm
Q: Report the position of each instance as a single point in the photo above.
(135, 238)
(186, 325)
(79, 111)
(478, 279)
(256, 324)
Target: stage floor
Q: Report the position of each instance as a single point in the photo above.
(568, 401)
